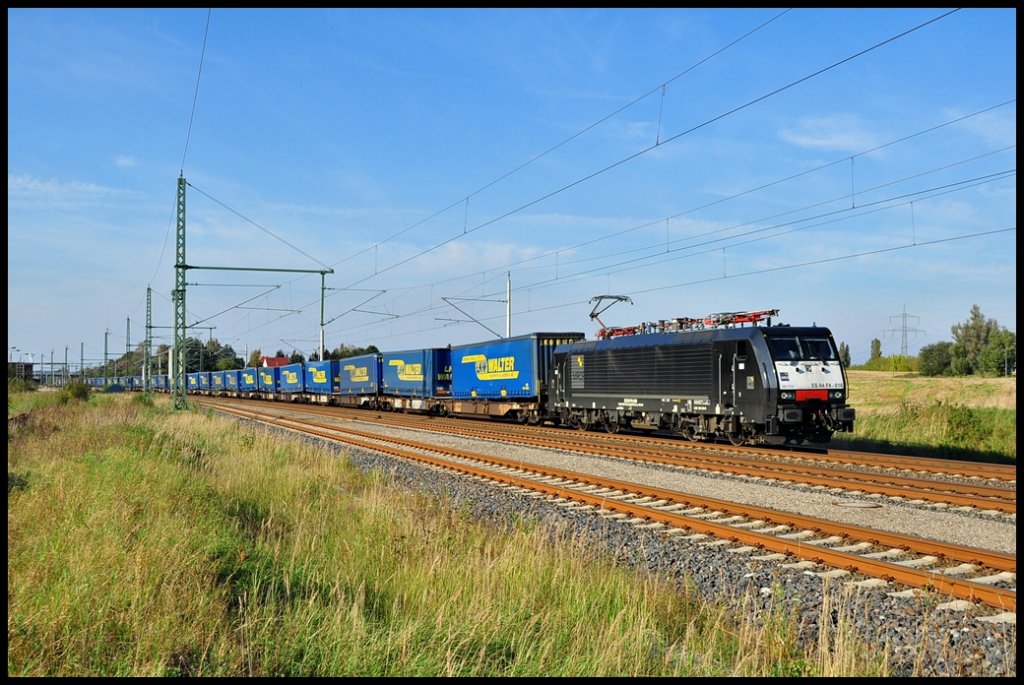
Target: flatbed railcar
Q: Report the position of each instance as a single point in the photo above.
(416, 380)
(507, 378)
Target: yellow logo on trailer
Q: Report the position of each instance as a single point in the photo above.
(495, 369)
(358, 374)
(290, 376)
(407, 372)
(319, 375)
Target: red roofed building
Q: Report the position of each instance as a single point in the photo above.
(271, 362)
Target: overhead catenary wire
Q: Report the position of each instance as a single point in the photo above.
(188, 137)
(541, 155)
(657, 144)
(843, 159)
(854, 211)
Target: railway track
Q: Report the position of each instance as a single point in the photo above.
(921, 487)
(813, 545)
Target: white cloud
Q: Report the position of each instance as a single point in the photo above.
(24, 187)
(840, 132)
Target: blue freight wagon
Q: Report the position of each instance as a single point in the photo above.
(413, 378)
(268, 379)
(161, 382)
(290, 379)
(217, 381)
(322, 378)
(231, 381)
(360, 379)
(192, 381)
(505, 377)
(205, 382)
(247, 380)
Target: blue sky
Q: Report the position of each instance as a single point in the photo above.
(843, 166)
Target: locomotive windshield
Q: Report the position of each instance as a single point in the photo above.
(802, 348)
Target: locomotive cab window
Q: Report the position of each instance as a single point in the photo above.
(784, 349)
(818, 349)
(741, 350)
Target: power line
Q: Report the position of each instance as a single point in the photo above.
(265, 230)
(656, 145)
(195, 97)
(576, 135)
(188, 136)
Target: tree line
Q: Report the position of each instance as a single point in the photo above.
(980, 346)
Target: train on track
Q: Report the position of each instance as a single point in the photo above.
(731, 376)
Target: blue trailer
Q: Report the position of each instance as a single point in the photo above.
(231, 381)
(247, 380)
(217, 381)
(507, 368)
(416, 379)
(192, 381)
(323, 378)
(291, 379)
(360, 379)
(269, 380)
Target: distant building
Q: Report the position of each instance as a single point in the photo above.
(19, 370)
(271, 362)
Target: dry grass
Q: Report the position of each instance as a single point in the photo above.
(145, 542)
(884, 392)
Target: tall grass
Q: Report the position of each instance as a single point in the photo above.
(146, 542)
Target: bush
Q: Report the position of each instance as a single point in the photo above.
(936, 359)
(20, 385)
(77, 390)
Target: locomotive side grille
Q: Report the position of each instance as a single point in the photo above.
(667, 370)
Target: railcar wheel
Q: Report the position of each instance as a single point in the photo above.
(690, 434)
(611, 426)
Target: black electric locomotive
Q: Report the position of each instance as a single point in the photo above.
(758, 384)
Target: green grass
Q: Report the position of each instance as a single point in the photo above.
(963, 418)
(143, 542)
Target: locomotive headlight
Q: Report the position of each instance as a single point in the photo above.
(837, 394)
(786, 395)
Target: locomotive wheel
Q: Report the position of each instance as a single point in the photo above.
(690, 434)
(737, 438)
(611, 426)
